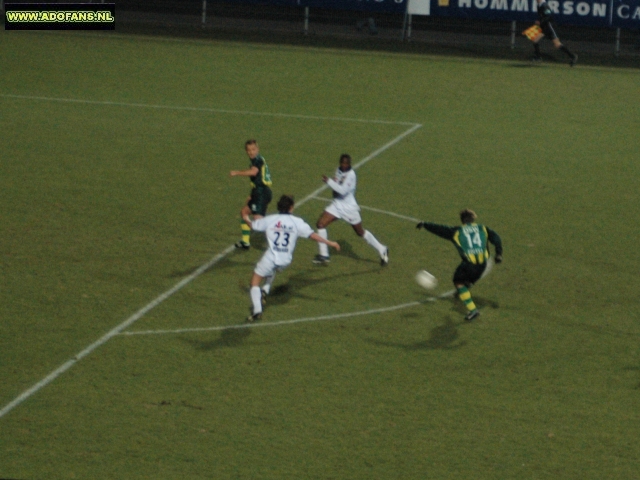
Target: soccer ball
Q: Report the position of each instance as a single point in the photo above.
(426, 280)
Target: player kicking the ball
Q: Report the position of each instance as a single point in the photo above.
(345, 207)
(282, 231)
(470, 240)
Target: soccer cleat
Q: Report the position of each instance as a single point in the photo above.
(472, 315)
(242, 245)
(384, 258)
(254, 317)
(321, 260)
(263, 296)
(574, 60)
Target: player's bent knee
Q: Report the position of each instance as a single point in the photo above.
(360, 231)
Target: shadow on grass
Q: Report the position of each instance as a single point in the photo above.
(229, 337)
(281, 294)
(442, 337)
(223, 264)
(259, 243)
(480, 302)
(229, 261)
(346, 250)
(633, 369)
(545, 58)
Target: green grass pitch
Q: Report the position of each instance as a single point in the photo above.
(114, 187)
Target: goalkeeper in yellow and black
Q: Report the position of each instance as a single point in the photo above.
(260, 196)
(472, 242)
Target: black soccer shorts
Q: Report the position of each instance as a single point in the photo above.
(259, 201)
(468, 273)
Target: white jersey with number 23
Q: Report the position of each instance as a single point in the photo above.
(282, 231)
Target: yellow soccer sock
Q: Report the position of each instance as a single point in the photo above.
(246, 232)
(465, 295)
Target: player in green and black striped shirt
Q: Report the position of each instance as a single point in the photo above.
(472, 242)
(260, 195)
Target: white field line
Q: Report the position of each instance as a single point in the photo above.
(105, 338)
(206, 110)
(273, 324)
(377, 210)
(363, 162)
(290, 322)
(161, 298)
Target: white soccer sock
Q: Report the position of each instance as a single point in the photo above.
(323, 248)
(256, 299)
(268, 281)
(371, 240)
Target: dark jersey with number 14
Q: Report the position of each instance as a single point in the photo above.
(471, 240)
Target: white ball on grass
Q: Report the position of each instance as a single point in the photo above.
(426, 280)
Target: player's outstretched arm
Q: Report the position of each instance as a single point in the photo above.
(495, 239)
(319, 239)
(339, 188)
(249, 172)
(443, 231)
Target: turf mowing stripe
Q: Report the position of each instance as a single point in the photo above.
(290, 322)
(178, 286)
(205, 109)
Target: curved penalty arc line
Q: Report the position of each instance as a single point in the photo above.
(279, 323)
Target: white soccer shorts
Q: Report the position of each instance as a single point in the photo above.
(348, 213)
(267, 267)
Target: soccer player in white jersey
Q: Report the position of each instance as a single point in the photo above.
(282, 231)
(345, 207)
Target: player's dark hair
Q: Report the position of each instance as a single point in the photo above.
(251, 141)
(467, 216)
(285, 203)
(345, 156)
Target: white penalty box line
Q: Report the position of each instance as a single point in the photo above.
(207, 110)
(377, 210)
(213, 261)
(280, 323)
